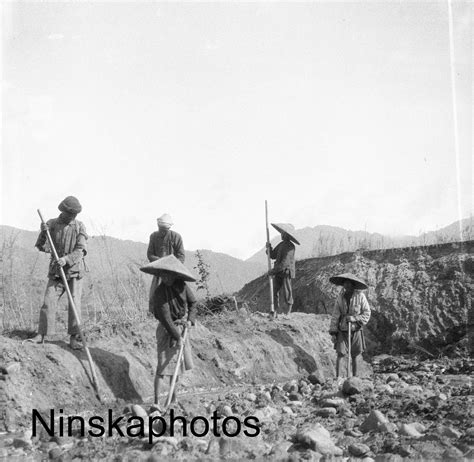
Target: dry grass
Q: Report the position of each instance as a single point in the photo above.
(119, 296)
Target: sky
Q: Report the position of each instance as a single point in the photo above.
(336, 113)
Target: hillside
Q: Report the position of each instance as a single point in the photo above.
(322, 241)
(114, 286)
(418, 294)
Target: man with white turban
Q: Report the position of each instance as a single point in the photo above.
(162, 243)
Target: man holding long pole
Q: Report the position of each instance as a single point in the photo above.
(269, 262)
(68, 239)
(284, 268)
(351, 312)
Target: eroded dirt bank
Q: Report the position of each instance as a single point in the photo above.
(418, 295)
(281, 372)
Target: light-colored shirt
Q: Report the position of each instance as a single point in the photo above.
(358, 307)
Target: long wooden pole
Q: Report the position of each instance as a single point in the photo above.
(176, 371)
(349, 357)
(74, 310)
(269, 262)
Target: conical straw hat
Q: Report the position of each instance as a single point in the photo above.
(170, 264)
(359, 284)
(286, 228)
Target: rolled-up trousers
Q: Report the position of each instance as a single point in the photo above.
(54, 291)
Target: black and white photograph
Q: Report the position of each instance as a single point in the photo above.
(236, 230)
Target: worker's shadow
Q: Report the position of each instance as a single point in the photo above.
(114, 369)
(302, 358)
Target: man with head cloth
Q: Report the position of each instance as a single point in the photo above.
(69, 238)
(162, 243)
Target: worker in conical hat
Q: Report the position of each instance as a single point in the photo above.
(174, 305)
(162, 243)
(69, 238)
(351, 306)
(284, 267)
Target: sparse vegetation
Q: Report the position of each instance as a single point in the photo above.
(203, 270)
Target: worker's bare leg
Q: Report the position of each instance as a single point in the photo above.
(338, 365)
(355, 365)
(158, 383)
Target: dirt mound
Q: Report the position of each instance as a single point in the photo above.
(419, 295)
(231, 348)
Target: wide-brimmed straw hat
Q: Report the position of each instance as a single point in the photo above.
(286, 228)
(359, 284)
(169, 264)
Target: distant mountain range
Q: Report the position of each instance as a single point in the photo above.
(108, 256)
(323, 240)
(112, 259)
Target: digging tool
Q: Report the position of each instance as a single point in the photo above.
(349, 357)
(74, 310)
(176, 371)
(269, 261)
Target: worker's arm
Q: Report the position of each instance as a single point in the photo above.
(363, 317)
(178, 248)
(80, 249)
(192, 310)
(151, 250)
(42, 237)
(336, 314)
(164, 316)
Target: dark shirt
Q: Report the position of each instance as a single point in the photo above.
(284, 256)
(171, 303)
(163, 243)
(69, 239)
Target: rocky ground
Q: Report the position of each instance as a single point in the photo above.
(405, 408)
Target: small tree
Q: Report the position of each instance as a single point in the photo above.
(203, 270)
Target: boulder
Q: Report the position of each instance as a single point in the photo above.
(358, 449)
(452, 454)
(410, 430)
(316, 378)
(294, 396)
(251, 397)
(317, 438)
(373, 422)
(355, 385)
(392, 378)
(265, 414)
(333, 402)
(55, 453)
(138, 411)
(450, 432)
(326, 411)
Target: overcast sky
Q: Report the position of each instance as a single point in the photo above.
(337, 113)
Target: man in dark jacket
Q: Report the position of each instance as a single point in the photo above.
(284, 267)
(162, 243)
(69, 238)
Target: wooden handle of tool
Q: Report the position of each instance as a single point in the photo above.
(269, 260)
(176, 371)
(349, 341)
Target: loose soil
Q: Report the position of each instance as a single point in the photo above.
(280, 371)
